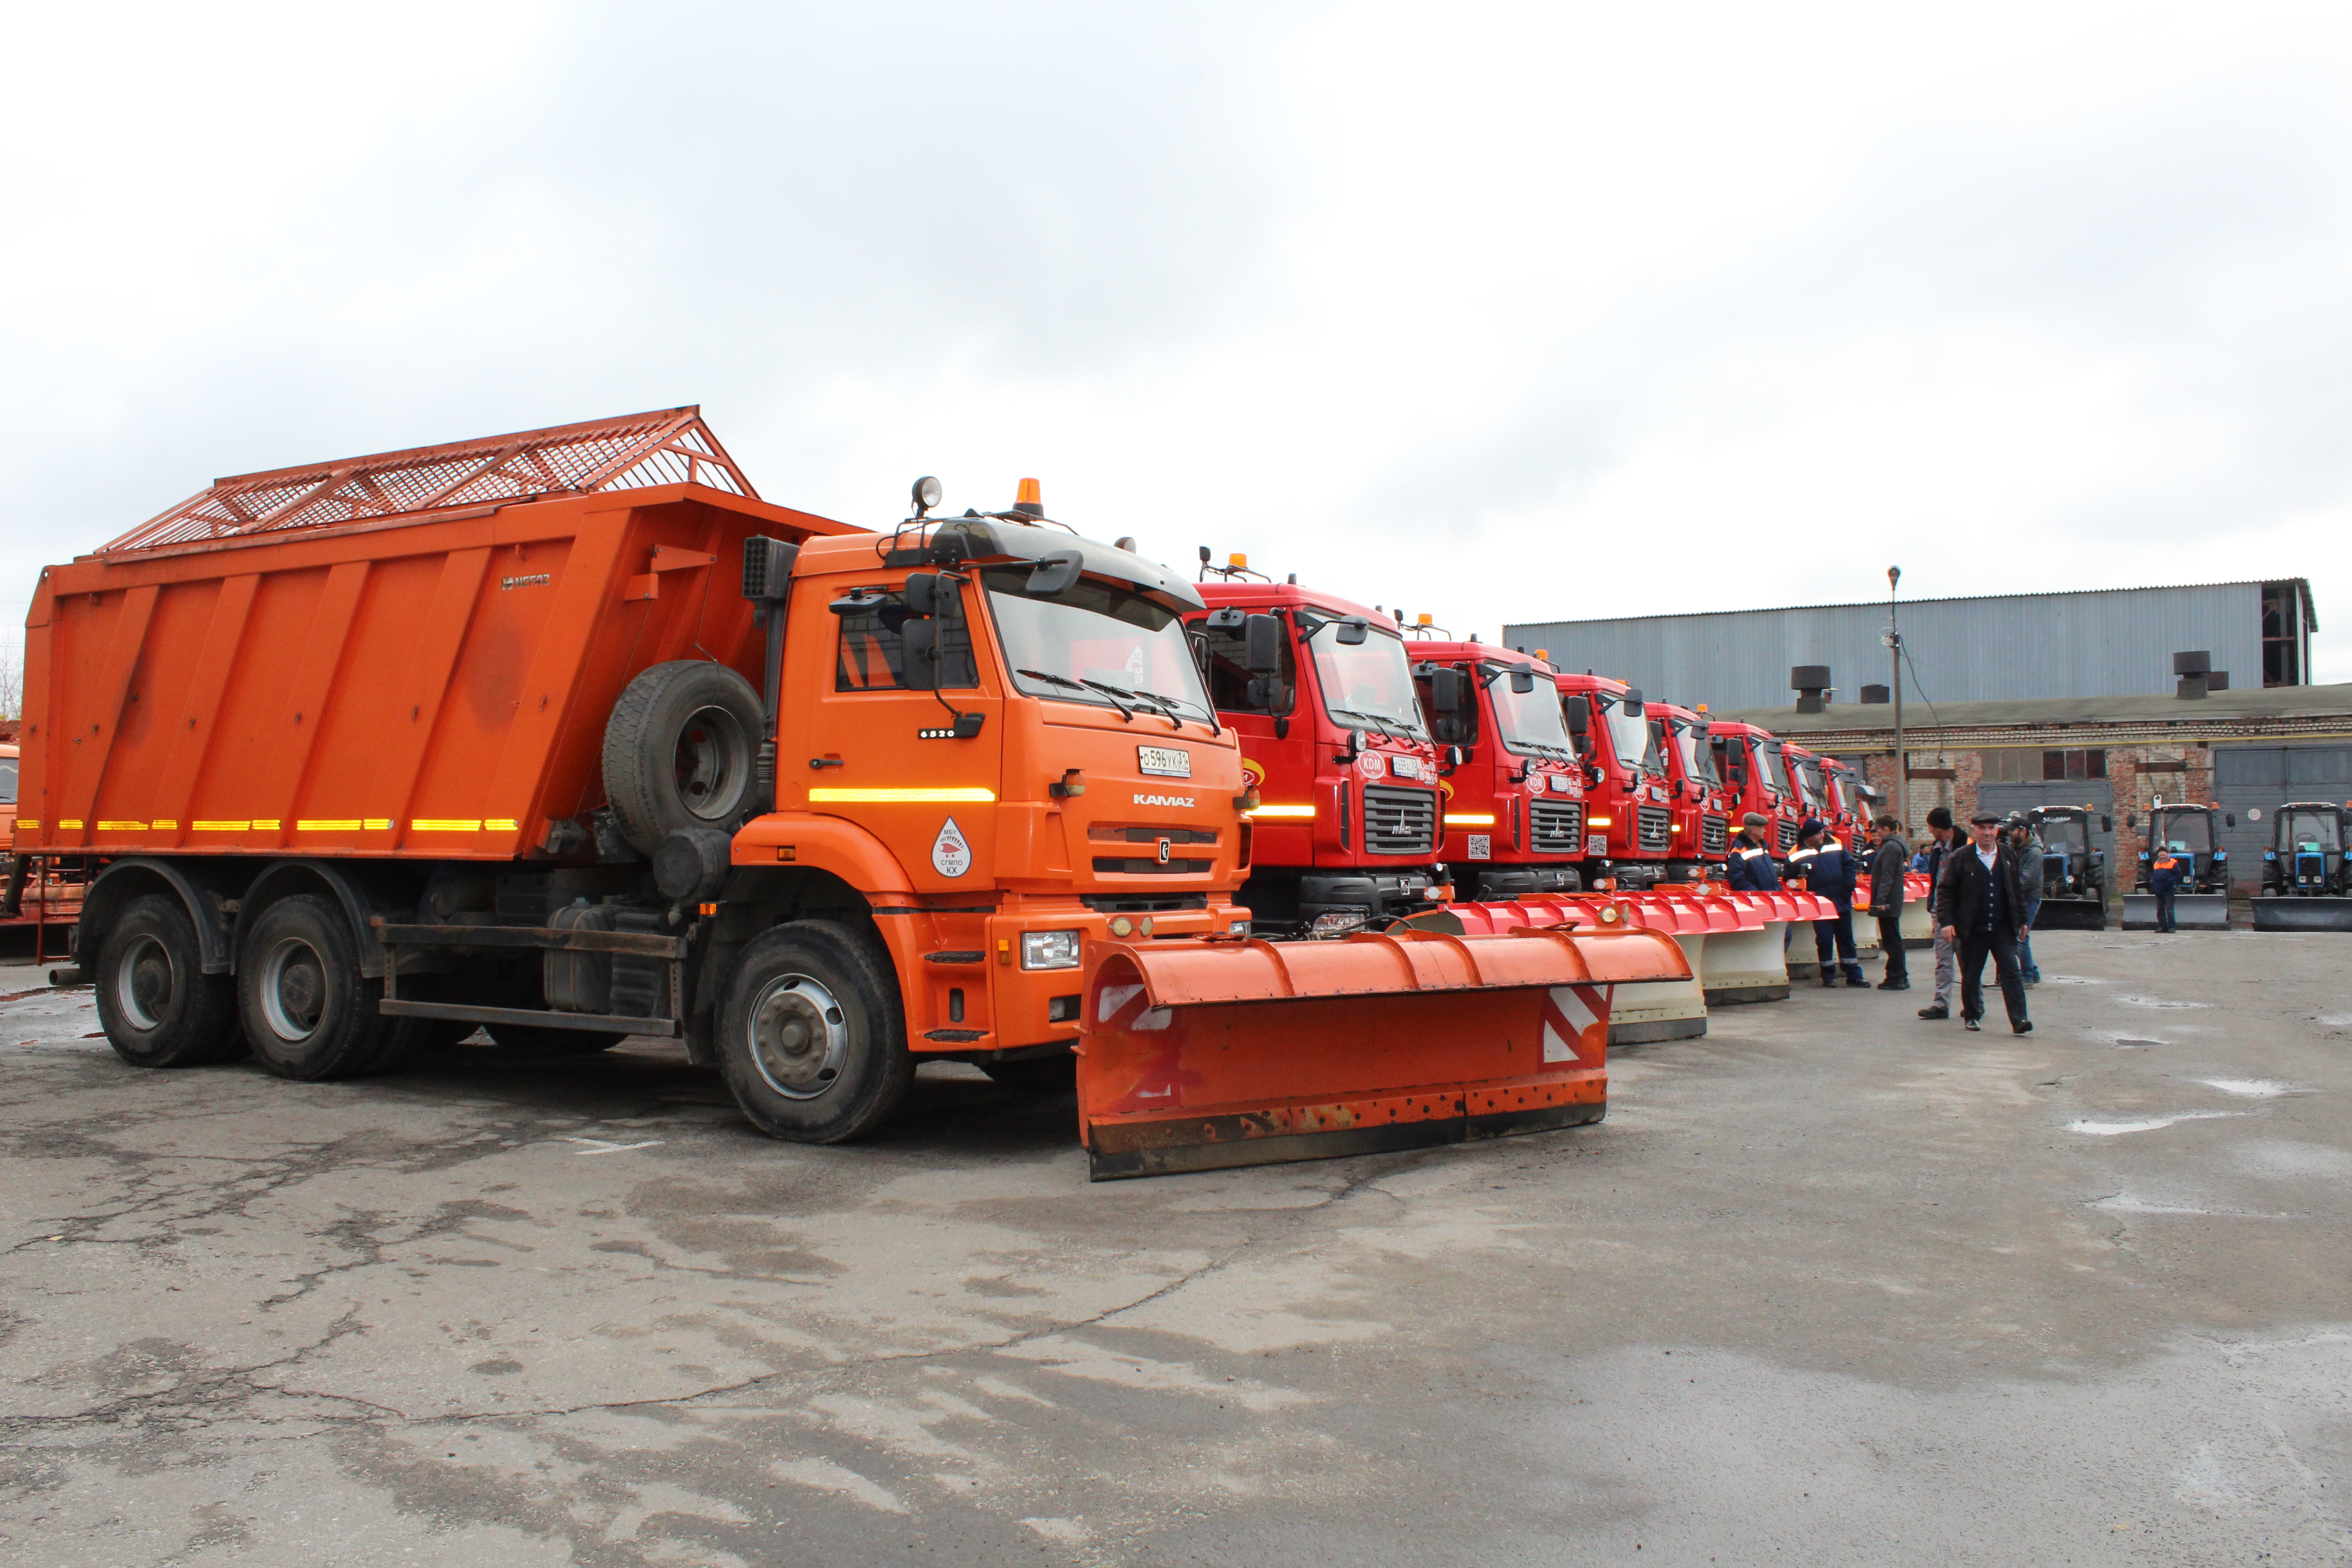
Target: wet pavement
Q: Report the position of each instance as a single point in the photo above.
(1828, 1285)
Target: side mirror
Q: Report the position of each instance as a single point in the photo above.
(918, 654)
(928, 593)
(1456, 756)
(1523, 679)
(1446, 690)
(2106, 825)
(1262, 645)
(1351, 631)
(2230, 817)
(1578, 715)
(1632, 700)
(1055, 572)
(1263, 692)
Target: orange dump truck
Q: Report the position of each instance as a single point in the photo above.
(569, 735)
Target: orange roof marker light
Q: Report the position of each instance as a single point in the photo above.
(1030, 500)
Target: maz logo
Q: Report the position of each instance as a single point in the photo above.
(1164, 800)
(534, 580)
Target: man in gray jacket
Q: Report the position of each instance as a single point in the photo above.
(1890, 859)
(2028, 845)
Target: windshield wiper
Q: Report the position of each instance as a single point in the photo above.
(1374, 718)
(1114, 693)
(1168, 705)
(1065, 682)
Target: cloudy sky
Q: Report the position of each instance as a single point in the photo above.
(1501, 313)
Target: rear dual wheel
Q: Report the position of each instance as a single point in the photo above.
(157, 1005)
(309, 1011)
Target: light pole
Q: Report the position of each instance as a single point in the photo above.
(1894, 652)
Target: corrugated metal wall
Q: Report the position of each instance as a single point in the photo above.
(2113, 644)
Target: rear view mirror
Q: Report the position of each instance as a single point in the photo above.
(2231, 818)
(1351, 631)
(918, 654)
(1456, 756)
(1263, 692)
(2106, 825)
(1055, 572)
(1262, 645)
(1446, 690)
(928, 593)
(1633, 701)
(1523, 678)
(1578, 717)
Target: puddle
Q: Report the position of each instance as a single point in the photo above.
(2158, 1002)
(2132, 1045)
(2145, 1123)
(2124, 1202)
(2251, 1087)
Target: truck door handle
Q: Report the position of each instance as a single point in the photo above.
(827, 763)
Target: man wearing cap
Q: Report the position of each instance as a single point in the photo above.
(1821, 863)
(1981, 909)
(1750, 868)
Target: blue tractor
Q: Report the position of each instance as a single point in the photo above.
(2306, 883)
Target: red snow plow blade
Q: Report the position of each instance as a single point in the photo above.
(1197, 1055)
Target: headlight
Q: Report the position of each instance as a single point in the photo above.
(1049, 950)
(1337, 923)
(1239, 928)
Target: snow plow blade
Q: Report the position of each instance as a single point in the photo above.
(1640, 1012)
(2190, 911)
(1194, 1056)
(2303, 914)
(2076, 914)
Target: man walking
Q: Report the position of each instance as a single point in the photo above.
(1980, 910)
(1750, 868)
(2021, 839)
(1829, 870)
(1932, 861)
(1890, 858)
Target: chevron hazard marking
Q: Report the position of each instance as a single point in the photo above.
(1576, 1024)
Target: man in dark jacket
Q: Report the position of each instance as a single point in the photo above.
(1890, 859)
(2165, 871)
(1980, 910)
(1823, 866)
(1943, 841)
(1750, 868)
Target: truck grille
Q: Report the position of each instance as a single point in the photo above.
(1399, 821)
(1714, 835)
(1654, 823)
(1115, 866)
(1556, 827)
(1788, 836)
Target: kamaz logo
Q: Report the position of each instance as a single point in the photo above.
(532, 581)
(1184, 800)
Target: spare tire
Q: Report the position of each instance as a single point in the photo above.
(680, 750)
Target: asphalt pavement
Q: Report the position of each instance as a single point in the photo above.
(1828, 1285)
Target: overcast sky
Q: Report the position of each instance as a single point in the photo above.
(1506, 313)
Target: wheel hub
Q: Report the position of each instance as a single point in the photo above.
(711, 755)
(799, 1037)
(294, 989)
(143, 986)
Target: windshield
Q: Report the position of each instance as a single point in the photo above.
(1528, 721)
(1767, 762)
(1628, 733)
(2063, 834)
(1094, 643)
(1371, 682)
(1807, 772)
(2302, 829)
(2190, 832)
(1698, 760)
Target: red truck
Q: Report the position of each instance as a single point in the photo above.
(1320, 690)
(1628, 822)
(1701, 803)
(1749, 759)
(1513, 788)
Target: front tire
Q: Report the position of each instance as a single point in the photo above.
(813, 1040)
(309, 1011)
(157, 1005)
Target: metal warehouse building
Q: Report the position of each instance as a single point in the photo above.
(2010, 647)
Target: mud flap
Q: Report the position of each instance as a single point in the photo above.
(1198, 1055)
(2190, 911)
(2293, 913)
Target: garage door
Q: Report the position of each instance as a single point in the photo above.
(2262, 778)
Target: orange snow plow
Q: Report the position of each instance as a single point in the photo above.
(1229, 1051)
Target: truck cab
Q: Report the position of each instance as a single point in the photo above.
(1702, 829)
(1855, 801)
(1628, 820)
(2190, 832)
(2306, 858)
(1512, 787)
(1345, 829)
(1749, 761)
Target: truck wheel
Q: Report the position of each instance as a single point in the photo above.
(811, 1036)
(309, 1011)
(538, 1040)
(157, 1005)
(1056, 1074)
(680, 751)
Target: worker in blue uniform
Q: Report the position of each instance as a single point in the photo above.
(1826, 867)
(2165, 871)
(1750, 868)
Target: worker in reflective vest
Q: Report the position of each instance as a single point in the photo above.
(2164, 874)
(1750, 868)
(1826, 867)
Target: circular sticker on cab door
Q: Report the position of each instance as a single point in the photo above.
(951, 855)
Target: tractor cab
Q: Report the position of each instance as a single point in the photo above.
(2074, 867)
(2306, 854)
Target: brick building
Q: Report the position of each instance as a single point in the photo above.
(2242, 750)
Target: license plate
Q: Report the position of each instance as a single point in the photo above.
(1596, 844)
(1164, 762)
(1405, 767)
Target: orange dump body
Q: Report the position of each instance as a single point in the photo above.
(433, 689)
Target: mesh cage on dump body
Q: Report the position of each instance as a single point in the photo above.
(1399, 821)
(635, 451)
(1714, 835)
(1556, 827)
(1656, 827)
